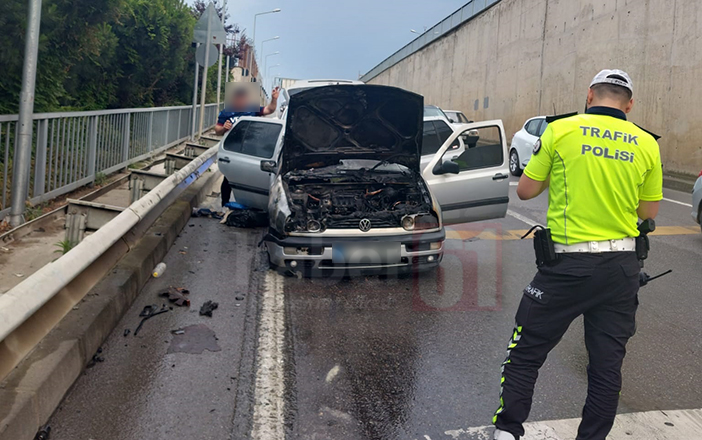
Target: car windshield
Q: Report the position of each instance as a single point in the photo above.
(431, 110)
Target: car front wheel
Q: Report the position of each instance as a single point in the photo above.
(514, 167)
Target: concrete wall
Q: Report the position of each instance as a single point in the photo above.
(537, 57)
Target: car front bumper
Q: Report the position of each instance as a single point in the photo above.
(314, 254)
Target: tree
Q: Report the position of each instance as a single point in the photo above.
(104, 54)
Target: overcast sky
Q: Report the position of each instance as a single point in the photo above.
(335, 38)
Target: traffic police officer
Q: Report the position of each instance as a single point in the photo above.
(603, 173)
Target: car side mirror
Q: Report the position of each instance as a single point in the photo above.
(451, 120)
(269, 166)
(448, 167)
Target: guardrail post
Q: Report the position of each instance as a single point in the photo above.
(180, 116)
(126, 135)
(40, 157)
(92, 146)
(151, 130)
(165, 132)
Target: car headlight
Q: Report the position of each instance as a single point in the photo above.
(314, 226)
(408, 223)
(420, 222)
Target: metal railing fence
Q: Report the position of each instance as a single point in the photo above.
(69, 149)
(464, 14)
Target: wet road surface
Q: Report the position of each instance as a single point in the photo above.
(375, 357)
(158, 385)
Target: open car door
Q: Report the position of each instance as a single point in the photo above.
(473, 186)
(250, 140)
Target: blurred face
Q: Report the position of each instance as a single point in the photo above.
(241, 101)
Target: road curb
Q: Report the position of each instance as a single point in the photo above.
(34, 389)
(678, 184)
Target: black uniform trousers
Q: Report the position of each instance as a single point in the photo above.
(604, 289)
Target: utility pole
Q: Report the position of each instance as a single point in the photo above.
(23, 150)
(194, 118)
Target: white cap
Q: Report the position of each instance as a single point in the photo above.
(614, 76)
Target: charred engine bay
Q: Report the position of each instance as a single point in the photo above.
(321, 201)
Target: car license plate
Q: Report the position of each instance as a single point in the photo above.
(366, 253)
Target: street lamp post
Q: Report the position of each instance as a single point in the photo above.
(250, 56)
(270, 39)
(265, 61)
(269, 69)
(221, 58)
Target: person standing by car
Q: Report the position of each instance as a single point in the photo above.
(603, 173)
(240, 106)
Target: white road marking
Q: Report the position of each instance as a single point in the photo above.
(659, 425)
(678, 202)
(332, 374)
(269, 397)
(522, 218)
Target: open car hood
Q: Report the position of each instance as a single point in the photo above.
(330, 123)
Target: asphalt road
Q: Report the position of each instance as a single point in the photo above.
(374, 357)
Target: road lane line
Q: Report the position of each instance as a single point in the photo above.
(522, 218)
(678, 202)
(658, 425)
(269, 397)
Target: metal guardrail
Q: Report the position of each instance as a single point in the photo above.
(466, 13)
(22, 301)
(69, 149)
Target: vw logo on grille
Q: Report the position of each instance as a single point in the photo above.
(364, 225)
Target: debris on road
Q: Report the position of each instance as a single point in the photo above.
(178, 332)
(148, 313)
(43, 433)
(159, 270)
(126, 332)
(194, 340)
(206, 212)
(176, 295)
(208, 307)
(96, 358)
(246, 218)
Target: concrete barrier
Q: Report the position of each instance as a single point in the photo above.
(523, 58)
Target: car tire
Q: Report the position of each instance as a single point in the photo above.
(514, 168)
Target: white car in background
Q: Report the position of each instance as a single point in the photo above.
(523, 144)
(697, 200)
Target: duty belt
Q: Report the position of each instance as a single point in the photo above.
(595, 247)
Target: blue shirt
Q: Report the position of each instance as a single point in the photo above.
(228, 115)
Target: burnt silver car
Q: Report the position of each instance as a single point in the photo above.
(346, 186)
(348, 192)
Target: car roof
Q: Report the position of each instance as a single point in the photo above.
(306, 83)
(452, 111)
(434, 118)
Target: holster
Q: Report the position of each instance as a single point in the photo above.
(543, 247)
(642, 247)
